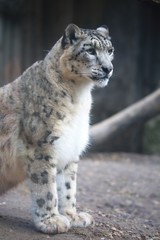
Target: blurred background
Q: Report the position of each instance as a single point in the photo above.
(28, 29)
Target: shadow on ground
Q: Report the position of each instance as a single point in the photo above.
(121, 191)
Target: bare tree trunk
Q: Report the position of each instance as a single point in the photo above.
(157, 1)
(137, 113)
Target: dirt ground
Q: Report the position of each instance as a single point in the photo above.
(121, 191)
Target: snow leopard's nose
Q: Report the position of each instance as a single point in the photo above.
(107, 70)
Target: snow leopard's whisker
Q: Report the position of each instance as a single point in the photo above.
(83, 73)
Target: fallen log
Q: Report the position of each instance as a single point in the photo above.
(137, 113)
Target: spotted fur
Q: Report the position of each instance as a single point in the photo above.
(44, 121)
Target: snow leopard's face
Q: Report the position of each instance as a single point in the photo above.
(87, 55)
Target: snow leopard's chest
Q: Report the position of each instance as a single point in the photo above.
(74, 138)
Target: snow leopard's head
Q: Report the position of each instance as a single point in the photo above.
(87, 54)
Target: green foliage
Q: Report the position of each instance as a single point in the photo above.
(152, 136)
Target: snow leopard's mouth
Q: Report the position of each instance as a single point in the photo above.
(102, 77)
(101, 82)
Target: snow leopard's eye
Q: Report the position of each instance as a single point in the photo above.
(91, 51)
(110, 50)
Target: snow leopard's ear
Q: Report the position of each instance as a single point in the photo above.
(104, 31)
(71, 34)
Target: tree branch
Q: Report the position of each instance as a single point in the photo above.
(137, 113)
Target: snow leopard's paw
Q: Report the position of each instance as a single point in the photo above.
(55, 224)
(81, 219)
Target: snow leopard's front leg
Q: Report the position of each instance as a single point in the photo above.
(66, 186)
(42, 177)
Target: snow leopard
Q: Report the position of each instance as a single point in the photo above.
(44, 125)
